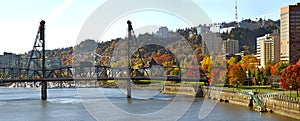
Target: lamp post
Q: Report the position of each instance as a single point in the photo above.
(259, 88)
(247, 76)
(290, 90)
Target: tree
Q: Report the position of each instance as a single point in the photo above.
(267, 73)
(254, 81)
(282, 65)
(249, 62)
(231, 61)
(290, 77)
(259, 76)
(275, 70)
(217, 76)
(236, 74)
(206, 64)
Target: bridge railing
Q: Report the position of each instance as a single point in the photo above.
(107, 73)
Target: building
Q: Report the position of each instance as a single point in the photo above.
(212, 43)
(53, 63)
(163, 32)
(226, 29)
(9, 63)
(215, 28)
(290, 33)
(10, 60)
(275, 36)
(266, 46)
(230, 47)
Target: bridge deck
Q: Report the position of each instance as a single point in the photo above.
(105, 78)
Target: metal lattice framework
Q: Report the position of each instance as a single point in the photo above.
(35, 69)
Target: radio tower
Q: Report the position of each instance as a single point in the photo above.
(236, 13)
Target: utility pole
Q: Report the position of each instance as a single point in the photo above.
(128, 59)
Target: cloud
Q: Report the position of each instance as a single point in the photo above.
(59, 35)
(59, 10)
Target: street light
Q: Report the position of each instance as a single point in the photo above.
(290, 90)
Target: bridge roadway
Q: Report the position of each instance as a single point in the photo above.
(167, 78)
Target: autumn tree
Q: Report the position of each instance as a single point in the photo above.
(290, 79)
(282, 65)
(277, 69)
(217, 76)
(249, 63)
(266, 73)
(231, 61)
(236, 74)
(206, 64)
(259, 76)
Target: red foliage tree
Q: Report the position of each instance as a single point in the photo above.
(291, 77)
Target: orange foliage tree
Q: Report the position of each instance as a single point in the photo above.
(236, 74)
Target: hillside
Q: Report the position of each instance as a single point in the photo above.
(246, 34)
(248, 31)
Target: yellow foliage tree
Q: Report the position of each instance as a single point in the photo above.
(206, 64)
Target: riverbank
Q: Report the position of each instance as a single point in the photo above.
(276, 104)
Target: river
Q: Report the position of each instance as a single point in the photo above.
(20, 104)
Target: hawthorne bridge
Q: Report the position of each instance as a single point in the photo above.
(36, 70)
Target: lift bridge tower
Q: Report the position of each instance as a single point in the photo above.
(36, 62)
(133, 57)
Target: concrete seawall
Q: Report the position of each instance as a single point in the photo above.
(180, 90)
(280, 105)
(226, 96)
(284, 106)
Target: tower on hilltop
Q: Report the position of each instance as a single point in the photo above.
(236, 14)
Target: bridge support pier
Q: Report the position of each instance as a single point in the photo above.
(128, 89)
(199, 92)
(44, 90)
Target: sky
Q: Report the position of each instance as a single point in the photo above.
(19, 19)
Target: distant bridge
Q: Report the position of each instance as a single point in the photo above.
(36, 70)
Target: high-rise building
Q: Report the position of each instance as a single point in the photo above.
(266, 46)
(275, 36)
(290, 33)
(230, 47)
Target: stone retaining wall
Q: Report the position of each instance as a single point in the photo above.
(283, 106)
(180, 89)
(220, 94)
(278, 104)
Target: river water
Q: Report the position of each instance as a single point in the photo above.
(20, 104)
